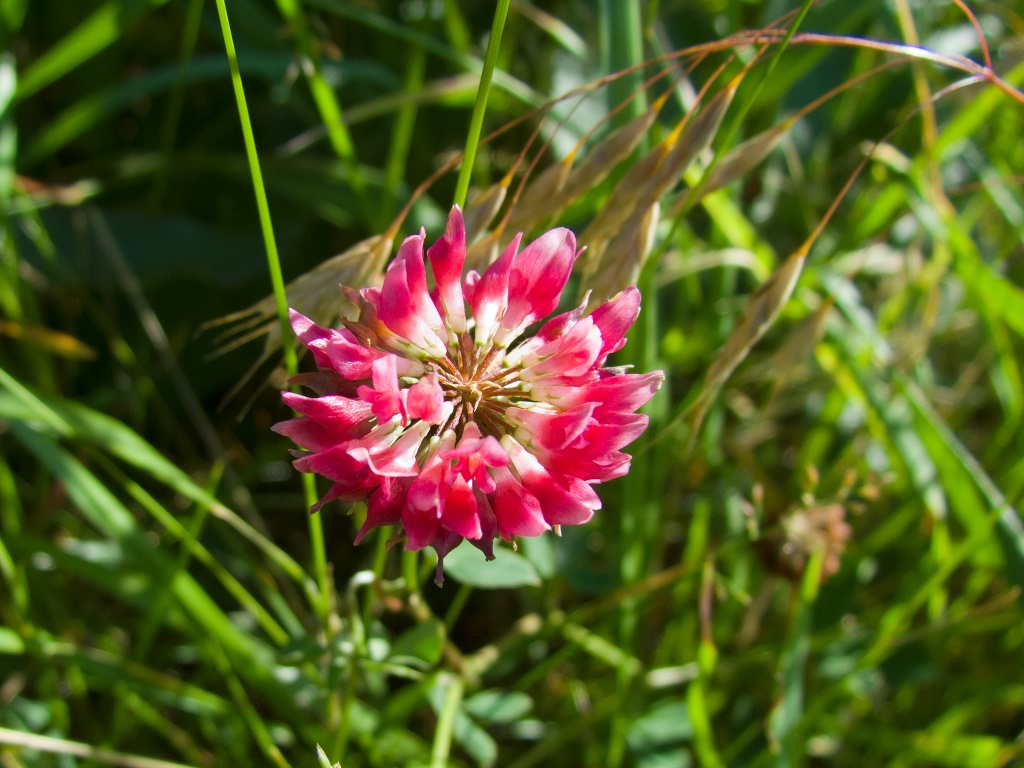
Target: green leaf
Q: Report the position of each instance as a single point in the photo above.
(666, 724)
(12, 13)
(507, 570)
(540, 551)
(323, 759)
(105, 26)
(423, 642)
(968, 484)
(470, 736)
(8, 128)
(495, 706)
(11, 642)
(105, 512)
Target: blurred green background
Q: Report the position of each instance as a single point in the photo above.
(827, 571)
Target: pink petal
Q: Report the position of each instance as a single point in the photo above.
(384, 507)
(395, 460)
(518, 511)
(337, 465)
(459, 513)
(384, 397)
(474, 454)
(313, 435)
(553, 431)
(420, 525)
(425, 400)
(444, 542)
(616, 431)
(614, 318)
(333, 411)
(323, 383)
(488, 525)
(447, 257)
(405, 306)
(573, 354)
(350, 358)
(315, 337)
(564, 500)
(536, 280)
(490, 294)
(336, 491)
(622, 393)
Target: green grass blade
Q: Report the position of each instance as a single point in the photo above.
(291, 364)
(964, 478)
(103, 28)
(476, 121)
(73, 420)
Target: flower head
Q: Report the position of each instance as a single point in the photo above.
(433, 407)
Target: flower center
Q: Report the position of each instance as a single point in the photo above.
(478, 386)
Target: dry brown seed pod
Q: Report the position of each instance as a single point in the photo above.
(657, 172)
(806, 531)
(620, 205)
(482, 207)
(761, 311)
(790, 358)
(541, 198)
(601, 159)
(314, 293)
(739, 161)
(620, 265)
(480, 254)
(689, 139)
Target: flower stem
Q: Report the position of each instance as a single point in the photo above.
(476, 121)
(281, 300)
(622, 47)
(446, 723)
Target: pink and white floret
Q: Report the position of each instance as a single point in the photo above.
(435, 408)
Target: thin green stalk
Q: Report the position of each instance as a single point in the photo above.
(348, 694)
(455, 609)
(316, 532)
(789, 705)
(263, 207)
(732, 123)
(11, 573)
(476, 121)
(252, 718)
(326, 101)
(153, 617)
(446, 723)
(169, 131)
(622, 47)
(401, 137)
(409, 571)
(380, 557)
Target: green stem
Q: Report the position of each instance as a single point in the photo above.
(168, 134)
(403, 132)
(476, 121)
(446, 723)
(622, 47)
(380, 558)
(455, 609)
(327, 103)
(281, 300)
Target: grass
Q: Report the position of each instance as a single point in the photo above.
(818, 556)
